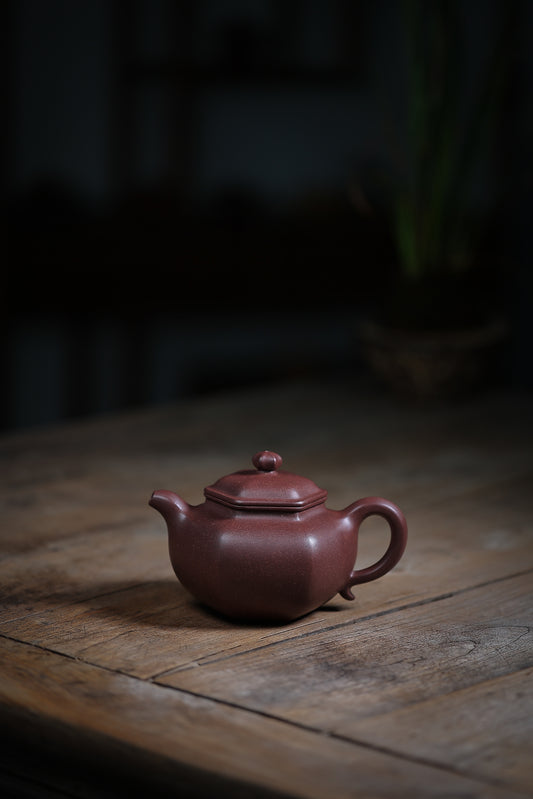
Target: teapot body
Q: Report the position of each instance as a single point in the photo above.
(264, 546)
(262, 566)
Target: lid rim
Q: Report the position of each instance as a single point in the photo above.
(261, 504)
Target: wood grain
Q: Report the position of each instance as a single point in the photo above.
(113, 599)
(377, 664)
(421, 687)
(85, 477)
(483, 730)
(190, 737)
(80, 567)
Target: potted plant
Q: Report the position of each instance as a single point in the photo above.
(435, 327)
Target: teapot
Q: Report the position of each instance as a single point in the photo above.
(264, 547)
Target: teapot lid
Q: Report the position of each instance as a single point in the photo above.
(266, 488)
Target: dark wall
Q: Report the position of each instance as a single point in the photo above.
(184, 191)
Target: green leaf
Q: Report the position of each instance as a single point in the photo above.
(406, 238)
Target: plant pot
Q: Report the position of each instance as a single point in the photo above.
(432, 365)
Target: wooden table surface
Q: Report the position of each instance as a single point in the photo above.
(113, 679)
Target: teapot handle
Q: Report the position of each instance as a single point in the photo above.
(377, 506)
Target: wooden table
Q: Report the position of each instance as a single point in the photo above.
(114, 681)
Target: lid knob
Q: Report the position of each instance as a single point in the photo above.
(267, 461)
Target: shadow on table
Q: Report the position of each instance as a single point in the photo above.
(165, 604)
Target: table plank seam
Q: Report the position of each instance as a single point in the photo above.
(237, 651)
(56, 541)
(340, 625)
(388, 751)
(472, 491)
(71, 603)
(360, 742)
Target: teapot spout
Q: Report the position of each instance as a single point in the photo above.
(168, 503)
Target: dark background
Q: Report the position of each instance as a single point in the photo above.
(180, 193)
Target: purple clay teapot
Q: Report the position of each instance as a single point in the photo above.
(263, 546)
